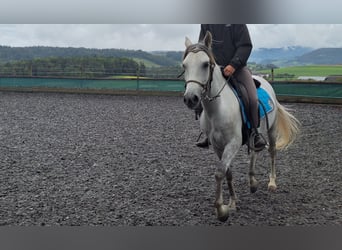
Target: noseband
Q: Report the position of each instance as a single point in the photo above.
(206, 86)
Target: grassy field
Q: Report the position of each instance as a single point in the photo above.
(297, 71)
(146, 62)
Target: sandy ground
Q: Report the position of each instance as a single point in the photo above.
(123, 160)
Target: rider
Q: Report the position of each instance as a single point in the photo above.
(232, 46)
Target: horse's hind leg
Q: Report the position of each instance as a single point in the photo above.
(272, 186)
(253, 183)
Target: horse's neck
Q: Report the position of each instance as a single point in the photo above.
(226, 99)
(220, 83)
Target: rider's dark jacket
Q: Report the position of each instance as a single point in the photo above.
(231, 43)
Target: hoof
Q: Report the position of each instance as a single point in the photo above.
(253, 184)
(223, 218)
(222, 213)
(253, 189)
(272, 188)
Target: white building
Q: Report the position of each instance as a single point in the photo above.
(312, 78)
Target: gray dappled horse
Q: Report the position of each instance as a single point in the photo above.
(221, 119)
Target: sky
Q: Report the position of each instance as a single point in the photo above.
(152, 37)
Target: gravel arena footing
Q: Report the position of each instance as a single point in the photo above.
(74, 159)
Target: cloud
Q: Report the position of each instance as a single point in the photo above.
(151, 37)
(306, 35)
(126, 36)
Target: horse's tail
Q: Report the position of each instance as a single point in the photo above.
(287, 127)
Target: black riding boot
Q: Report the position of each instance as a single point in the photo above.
(203, 144)
(256, 142)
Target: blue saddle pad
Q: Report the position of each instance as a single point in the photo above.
(265, 99)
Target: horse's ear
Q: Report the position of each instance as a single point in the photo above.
(187, 42)
(208, 39)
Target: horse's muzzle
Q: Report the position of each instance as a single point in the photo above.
(192, 101)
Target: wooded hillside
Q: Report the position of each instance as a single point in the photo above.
(8, 54)
(74, 67)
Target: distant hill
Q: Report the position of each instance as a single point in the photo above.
(174, 55)
(277, 56)
(292, 56)
(281, 57)
(324, 56)
(10, 54)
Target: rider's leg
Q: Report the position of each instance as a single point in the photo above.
(244, 77)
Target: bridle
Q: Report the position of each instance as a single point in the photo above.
(206, 86)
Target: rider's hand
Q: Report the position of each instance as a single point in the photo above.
(228, 70)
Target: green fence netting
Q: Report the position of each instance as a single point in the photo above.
(309, 89)
(114, 84)
(321, 89)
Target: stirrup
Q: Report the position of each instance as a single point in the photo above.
(251, 142)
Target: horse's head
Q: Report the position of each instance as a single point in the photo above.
(198, 64)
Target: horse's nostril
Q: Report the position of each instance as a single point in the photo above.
(195, 99)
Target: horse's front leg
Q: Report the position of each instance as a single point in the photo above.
(224, 171)
(221, 209)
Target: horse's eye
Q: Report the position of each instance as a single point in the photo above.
(183, 65)
(205, 65)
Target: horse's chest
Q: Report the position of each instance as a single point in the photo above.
(218, 138)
